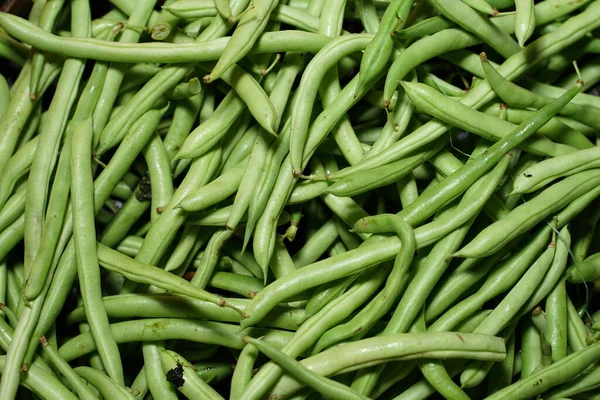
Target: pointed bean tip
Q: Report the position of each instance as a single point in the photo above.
(272, 132)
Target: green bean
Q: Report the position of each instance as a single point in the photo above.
(105, 385)
(426, 27)
(242, 374)
(141, 102)
(446, 164)
(546, 90)
(325, 293)
(481, 6)
(449, 188)
(152, 329)
(317, 244)
(246, 286)
(544, 172)
(292, 230)
(500, 280)
(55, 213)
(512, 302)
(481, 93)
(214, 128)
(17, 166)
(585, 271)
(267, 179)
(254, 97)
(157, 381)
(394, 129)
(183, 119)
(224, 8)
(42, 381)
(457, 114)
(213, 372)
(4, 95)
(442, 86)
(589, 71)
(49, 139)
(528, 215)
(368, 15)
(437, 376)
(139, 16)
(333, 312)
(4, 284)
(380, 49)
(553, 375)
(183, 376)
(128, 215)
(47, 20)
(355, 356)
(524, 20)
(576, 330)
(345, 208)
(252, 23)
(185, 90)
(162, 232)
(281, 262)
(84, 235)
(556, 310)
(192, 9)
(503, 371)
(143, 273)
(362, 181)
(422, 50)
(13, 50)
(471, 203)
(555, 273)
(586, 381)
(10, 315)
(163, 305)
(248, 180)
(476, 371)
(164, 24)
(78, 384)
(517, 96)
(246, 259)
(13, 288)
(327, 387)
(394, 287)
(211, 50)
(555, 129)
(307, 91)
(206, 268)
(187, 241)
(220, 217)
(423, 281)
(159, 170)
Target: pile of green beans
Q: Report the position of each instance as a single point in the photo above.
(300, 199)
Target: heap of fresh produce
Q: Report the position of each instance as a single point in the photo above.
(302, 199)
